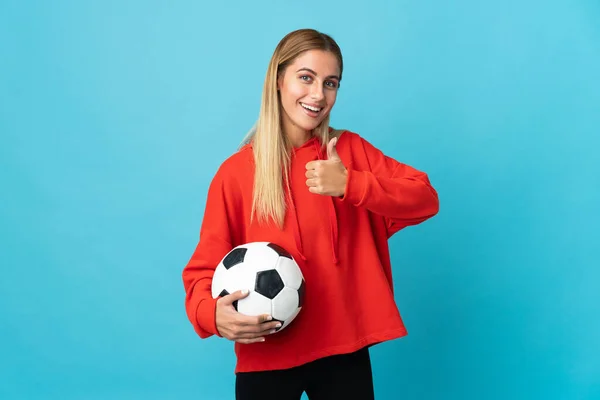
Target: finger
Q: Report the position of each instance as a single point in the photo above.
(230, 298)
(264, 318)
(261, 329)
(311, 173)
(311, 182)
(313, 189)
(246, 320)
(254, 335)
(248, 341)
(314, 164)
(270, 328)
(331, 150)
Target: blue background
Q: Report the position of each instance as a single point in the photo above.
(114, 116)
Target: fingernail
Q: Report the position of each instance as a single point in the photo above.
(262, 339)
(278, 325)
(269, 318)
(245, 291)
(273, 331)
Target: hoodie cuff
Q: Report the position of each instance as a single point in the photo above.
(206, 315)
(356, 187)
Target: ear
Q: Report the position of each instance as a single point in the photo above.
(279, 81)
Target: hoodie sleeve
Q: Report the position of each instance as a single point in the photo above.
(400, 193)
(214, 244)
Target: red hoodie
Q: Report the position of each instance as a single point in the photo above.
(340, 244)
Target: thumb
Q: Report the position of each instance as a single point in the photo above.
(331, 151)
(237, 295)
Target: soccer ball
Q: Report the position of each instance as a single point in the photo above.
(269, 273)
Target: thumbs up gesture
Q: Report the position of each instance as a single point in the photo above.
(327, 177)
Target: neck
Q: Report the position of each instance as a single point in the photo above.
(296, 135)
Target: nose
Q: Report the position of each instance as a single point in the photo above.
(316, 92)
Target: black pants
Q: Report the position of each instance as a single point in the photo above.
(345, 376)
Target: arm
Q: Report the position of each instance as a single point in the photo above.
(214, 243)
(401, 194)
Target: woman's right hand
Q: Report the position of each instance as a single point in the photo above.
(242, 328)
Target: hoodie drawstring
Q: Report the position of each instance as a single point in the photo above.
(296, 229)
(333, 224)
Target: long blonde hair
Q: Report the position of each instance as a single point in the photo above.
(270, 146)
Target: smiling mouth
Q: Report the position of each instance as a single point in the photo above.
(311, 108)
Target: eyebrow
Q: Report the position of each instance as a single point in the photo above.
(314, 73)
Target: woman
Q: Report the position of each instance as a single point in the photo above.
(332, 200)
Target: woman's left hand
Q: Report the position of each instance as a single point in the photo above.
(327, 177)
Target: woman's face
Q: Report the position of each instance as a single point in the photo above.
(308, 89)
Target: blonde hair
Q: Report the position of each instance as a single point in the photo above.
(270, 146)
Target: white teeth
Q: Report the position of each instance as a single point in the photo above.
(315, 109)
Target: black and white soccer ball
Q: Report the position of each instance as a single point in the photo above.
(269, 273)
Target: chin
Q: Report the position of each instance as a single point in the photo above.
(308, 125)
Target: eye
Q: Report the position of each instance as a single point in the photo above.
(305, 78)
(332, 84)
